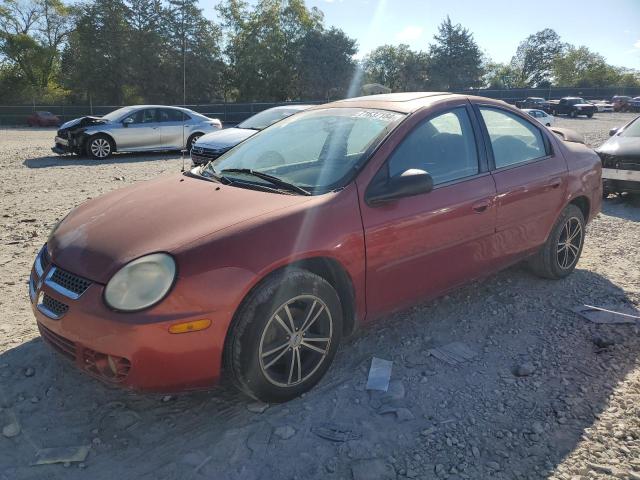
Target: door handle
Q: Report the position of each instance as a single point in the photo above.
(555, 183)
(481, 206)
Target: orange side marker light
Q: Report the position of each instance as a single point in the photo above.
(192, 326)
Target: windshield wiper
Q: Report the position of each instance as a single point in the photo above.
(213, 178)
(278, 182)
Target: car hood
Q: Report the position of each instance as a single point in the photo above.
(101, 235)
(584, 105)
(82, 121)
(223, 139)
(621, 146)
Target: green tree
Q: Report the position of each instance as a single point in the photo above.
(580, 67)
(96, 60)
(193, 42)
(456, 59)
(501, 75)
(263, 45)
(535, 57)
(32, 33)
(397, 67)
(147, 50)
(326, 65)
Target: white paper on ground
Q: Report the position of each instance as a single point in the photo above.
(379, 374)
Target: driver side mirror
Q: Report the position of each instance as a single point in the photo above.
(411, 182)
(127, 121)
(613, 131)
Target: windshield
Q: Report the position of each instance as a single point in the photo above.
(314, 150)
(633, 130)
(262, 120)
(116, 114)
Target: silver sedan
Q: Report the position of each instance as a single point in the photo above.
(134, 129)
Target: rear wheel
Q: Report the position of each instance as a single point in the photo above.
(559, 255)
(100, 147)
(573, 114)
(285, 336)
(590, 115)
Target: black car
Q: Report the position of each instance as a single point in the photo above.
(620, 157)
(532, 102)
(572, 106)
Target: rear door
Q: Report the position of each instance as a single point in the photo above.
(142, 133)
(420, 246)
(172, 131)
(530, 177)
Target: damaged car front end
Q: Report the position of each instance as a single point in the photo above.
(620, 156)
(71, 136)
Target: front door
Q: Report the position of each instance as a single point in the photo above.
(139, 131)
(418, 247)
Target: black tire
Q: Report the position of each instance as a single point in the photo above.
(589, 115)
(549, 261)
(100, 146)
(573, 114)
(192, 139)
(256, 327)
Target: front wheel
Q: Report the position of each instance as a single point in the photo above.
(559, 255)
(192, 139)
(573, 114)
(284, 336)
(590, 115)
(100, 147)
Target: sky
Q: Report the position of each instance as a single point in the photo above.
(609, 27)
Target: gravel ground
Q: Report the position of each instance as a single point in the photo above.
(547, 394)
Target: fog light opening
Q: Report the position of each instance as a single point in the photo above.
(192, 326)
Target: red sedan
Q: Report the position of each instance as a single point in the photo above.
(43, 119)
(319, 224)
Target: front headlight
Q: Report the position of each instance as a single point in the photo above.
(141, 283)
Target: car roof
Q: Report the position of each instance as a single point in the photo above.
(406, 102)
(294, 106)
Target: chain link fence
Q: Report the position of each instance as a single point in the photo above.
(233, 113)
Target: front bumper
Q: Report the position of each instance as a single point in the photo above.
(623, 175)
(61, 146)
(619, 180)
(131, 350)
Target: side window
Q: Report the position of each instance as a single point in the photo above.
(149, 115)
(170, 115)
(136, 117)
(443, 146)
(513, 139)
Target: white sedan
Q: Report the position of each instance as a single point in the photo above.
(540, 115)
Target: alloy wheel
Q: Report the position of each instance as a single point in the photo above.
(100, 148)
(569, 243)
(295, 341)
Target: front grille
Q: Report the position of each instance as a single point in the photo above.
(200, 155)
(69, 281)
(64, 346)
(53, 306)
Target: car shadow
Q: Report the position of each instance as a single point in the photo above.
(506, 319)
(626, 206)
(117, 158)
